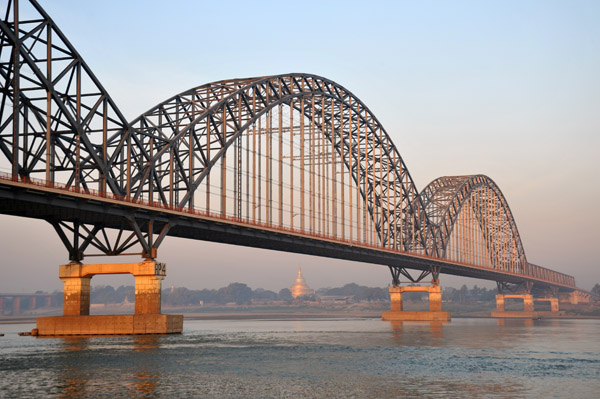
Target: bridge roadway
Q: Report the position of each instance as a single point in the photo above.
(37, 199)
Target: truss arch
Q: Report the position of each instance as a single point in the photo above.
(473, 223)
(183, 138)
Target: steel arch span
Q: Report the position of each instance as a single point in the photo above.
(473, 223)
(300, 150)
(293, 162)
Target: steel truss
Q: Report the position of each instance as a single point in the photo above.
(55, 116)
(77, 237)
(65, 128)
(475, 204)
(473, 224)
(396, 271)
(189, 134)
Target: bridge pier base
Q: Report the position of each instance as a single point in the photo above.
(554, 310)
(574, 297)
(76, 296)
(77, 320)
(397, 313)
(528, 307)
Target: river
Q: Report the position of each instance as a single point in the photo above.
(312, 358)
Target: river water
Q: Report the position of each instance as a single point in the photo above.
(322, 358)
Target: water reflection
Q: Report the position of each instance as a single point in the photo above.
(145, 380)
(79, 374)
(406, 330)
(72, 377)
(75, 344)
(143, 343)
(145, 384)
(515, 322)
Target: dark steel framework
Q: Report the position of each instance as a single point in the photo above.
(295, 155)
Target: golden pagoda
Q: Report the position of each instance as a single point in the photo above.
(299, 287)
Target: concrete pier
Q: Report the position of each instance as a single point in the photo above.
(77, 321)
(553, 303)
(574, 297)
(128, 324)
(16, 306)
(528, 306)
(397, 313)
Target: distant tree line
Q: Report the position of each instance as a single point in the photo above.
(357, 292)
(107, 294)
(241, 294)
(465, 295)
(237, 293)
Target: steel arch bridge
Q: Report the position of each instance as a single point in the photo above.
(292, 162)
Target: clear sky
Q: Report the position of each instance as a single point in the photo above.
(510, 89)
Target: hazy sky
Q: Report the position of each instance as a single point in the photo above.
(510, 89)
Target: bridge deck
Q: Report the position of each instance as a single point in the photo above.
(42, 201)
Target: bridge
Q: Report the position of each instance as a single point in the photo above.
(292, 162)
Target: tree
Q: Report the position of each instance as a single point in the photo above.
(596, 290)
(462, 293)
(285, 295)
(235, 292)
(264, 295)
(309, 298)
(358, 292)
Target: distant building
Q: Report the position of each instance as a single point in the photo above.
(300, 287)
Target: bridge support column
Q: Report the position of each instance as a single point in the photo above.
(435, 298)
(527, 306)
(147, 294)
(395, 299)
(76, 292)
(500, 303)
(554, 304)
(528, 303)
(146, 320)
(574, 297)
(577, 297)
(16, 306)
(397, 313)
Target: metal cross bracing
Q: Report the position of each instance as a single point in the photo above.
(293, 162)
(55, 115)
(302, 152)
(473, 224)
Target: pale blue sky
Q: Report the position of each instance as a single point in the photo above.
(509, 89)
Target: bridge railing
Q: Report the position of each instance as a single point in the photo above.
(535, 271)
(550, 275)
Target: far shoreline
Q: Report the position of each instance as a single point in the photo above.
(297, 316)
